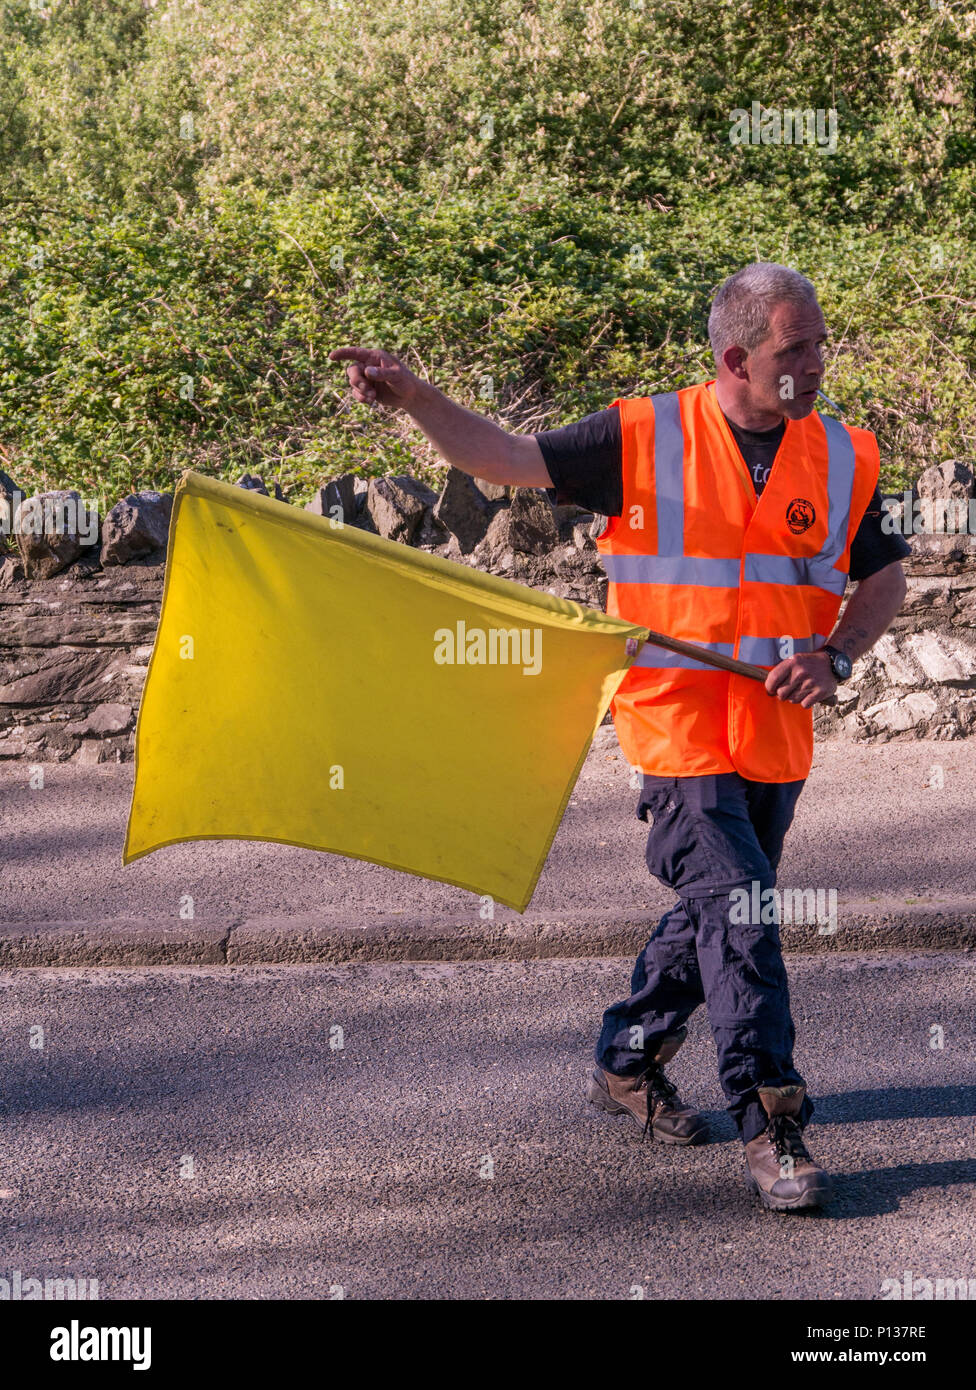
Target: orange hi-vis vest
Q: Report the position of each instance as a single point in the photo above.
(694, 555)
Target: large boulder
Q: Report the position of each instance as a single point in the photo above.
(53, 529)
(464, 509)
(953, 478)
(397, 506)
(338, 500)
(137, 525)
(527, 527)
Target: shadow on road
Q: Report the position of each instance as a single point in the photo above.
(895, 1103)
(880, 1190)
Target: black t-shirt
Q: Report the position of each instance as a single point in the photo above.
(585, 463)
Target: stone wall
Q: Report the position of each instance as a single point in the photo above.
(75, 644)
(74, 650)
(919, 679)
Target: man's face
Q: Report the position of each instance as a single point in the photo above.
(786, 369)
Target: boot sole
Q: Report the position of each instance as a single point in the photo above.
(813, 1197)
(597, 1096)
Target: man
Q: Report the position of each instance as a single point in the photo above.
(736, 514)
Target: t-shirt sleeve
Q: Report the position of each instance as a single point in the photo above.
(872, 548)
(585, 462)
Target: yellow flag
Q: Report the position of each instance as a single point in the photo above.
(316, 685)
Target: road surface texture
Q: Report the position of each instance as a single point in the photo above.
(888, 827)
(198, 1133)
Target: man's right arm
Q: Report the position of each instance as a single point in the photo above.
(468, 441)
(476, 444)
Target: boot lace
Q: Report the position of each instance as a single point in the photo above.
(786, 1138)
(658, 1089)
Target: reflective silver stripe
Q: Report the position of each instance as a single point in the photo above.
(669, 476)
(817, 569)
(660, 656)
(841, 465)
(671, 569)
(790, 569)
(765, 651)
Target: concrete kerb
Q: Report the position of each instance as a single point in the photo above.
(862, 925)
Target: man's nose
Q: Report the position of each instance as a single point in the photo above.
(814, 361)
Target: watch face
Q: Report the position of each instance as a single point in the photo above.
(841, 663)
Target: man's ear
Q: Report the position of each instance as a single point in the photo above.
(734, 359)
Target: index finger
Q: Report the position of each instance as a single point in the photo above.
(778, 675)
(368, 357)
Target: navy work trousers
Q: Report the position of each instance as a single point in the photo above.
(712, 834)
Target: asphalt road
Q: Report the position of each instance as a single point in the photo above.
(192, 1134)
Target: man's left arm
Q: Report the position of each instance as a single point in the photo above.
(806, 679)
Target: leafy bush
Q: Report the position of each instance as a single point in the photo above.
(532, 204)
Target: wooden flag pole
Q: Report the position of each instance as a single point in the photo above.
(711, 658)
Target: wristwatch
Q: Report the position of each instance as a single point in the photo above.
(840, 663)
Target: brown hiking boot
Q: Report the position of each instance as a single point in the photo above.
(778, 1165)
(650, 1099)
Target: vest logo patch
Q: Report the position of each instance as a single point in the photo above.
(800, 515)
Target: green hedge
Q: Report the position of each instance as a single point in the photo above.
(533, 204)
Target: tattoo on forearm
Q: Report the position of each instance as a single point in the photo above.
(852, 639)
(870, 611)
